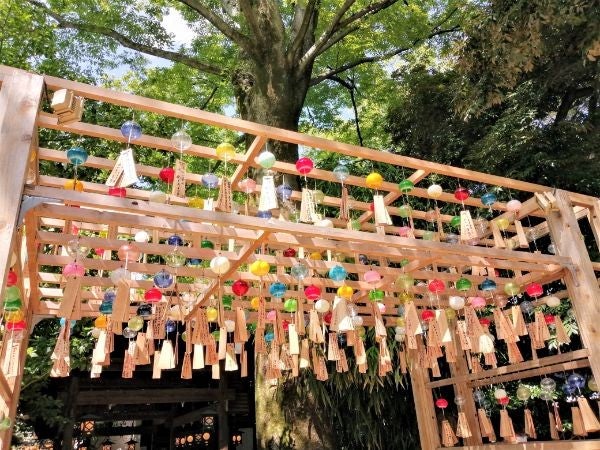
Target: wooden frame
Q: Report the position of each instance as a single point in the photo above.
(238, 237)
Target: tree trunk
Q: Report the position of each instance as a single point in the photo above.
(272, 94)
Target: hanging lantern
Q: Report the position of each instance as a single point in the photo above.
(290, 305)
(374, 180)
(163, 279)
(74, 270)
(513, 205)
(322, 306)
(313, 292)
(11, 278)
(181, 140)
(341, 172)
(477, 302)
(105, 308)
(461, 193)
(136, 323)
(436, 286)
(153, 295)
(372, 276)
(534, 290)
(511, 289)
(551, 301)
(376, 295)
(247, 185)
(488, 199)
(155, 196)
(141, 236)
(463, 284)
(487, 285)
(240, 287)
(77, 156)
(167, 174)
(406, 186)
(196, 202)
(210, 180)
(259, 268)
(220, 265)
(120, 274)
(456, 302)
(75, 185)
(441, 403)
(345, 291)
(289, 253)
(131, 130)
(337, 273)
(304, 165)
(128, 252)
(277, 290)
(284, 191)
(225, 151)
(435, 191)
(299, 271)
(266, 160)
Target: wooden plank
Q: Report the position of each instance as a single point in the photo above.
(580, 280)
(424, 406)
(591, 444)
(256, 146)
(19, 104)
(144, 396)
(526, 365)
(540, 371)
(217, 120)
(244, 254)
(297, 229)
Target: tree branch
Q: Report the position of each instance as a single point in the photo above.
(377, 58)
(299, 32)
(129, 43)
(366, 11)
(233, 34)
(311, 52)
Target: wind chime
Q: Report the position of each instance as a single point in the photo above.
(342, 173)
(124, 173)
(268, 196)
(308, 211)
(374, 181)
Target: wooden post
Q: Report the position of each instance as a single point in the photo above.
(426, 418)
(466, 391)
(581, 281)
(19, 104)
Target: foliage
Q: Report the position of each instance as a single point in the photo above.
(362, 411)
(37, 403)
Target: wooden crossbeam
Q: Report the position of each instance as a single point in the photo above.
(295, 229)
(144, 396)
(243, 256)
(513, 368)
(256, 146)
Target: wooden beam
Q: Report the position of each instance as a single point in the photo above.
(581, 280)
(523, 375)
(150, 396)
(244, 254)
(296, 229)
(591, 444)
(217, 120)
(20, 98)
(513, 368)
(427, 420)
(256, 146)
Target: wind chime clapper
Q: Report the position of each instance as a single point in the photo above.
(124, 173)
